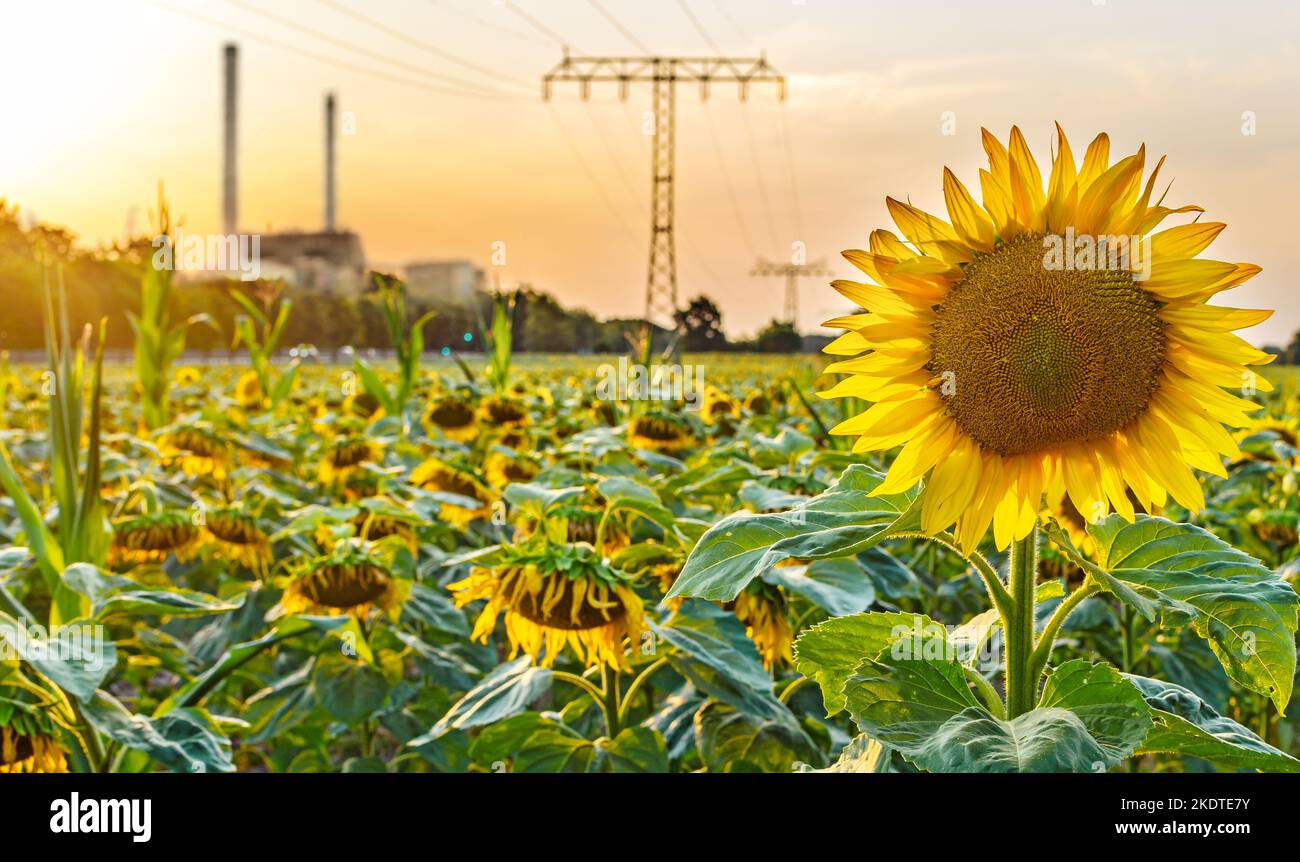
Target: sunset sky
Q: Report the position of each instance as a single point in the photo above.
(103, 99)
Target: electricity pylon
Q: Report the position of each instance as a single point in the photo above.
(663, 73)
(791, 271)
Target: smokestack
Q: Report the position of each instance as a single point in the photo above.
(229, 186)
(329, 162)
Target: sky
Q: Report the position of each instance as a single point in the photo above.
(450, 148)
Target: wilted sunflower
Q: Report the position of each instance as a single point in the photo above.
(248, 391)
(660, 432)
(441, 477)
(381, 518)
(363, 405)
(454, 417)
(502, 413)
(151, 538)
(348, 581)
(235, 536)
(502, 469)
(1276, 528)
(197, 450)
(344, 457)
(29, 750)
(717, 406)
(562, 596)
(762, 608)
(1006, 369)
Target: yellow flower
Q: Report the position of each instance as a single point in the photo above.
(345, 457)
(502, 470)
(235, 536)
(454, 417)
(22, 752)
(659, 432)
(248, 391)
(188, 376)
(440, 477)
(197, 451)
(153, 538)
(592, 614)
(762, 609)
(717, 405)
(502, 413)
(349, 581)
(1005, 361)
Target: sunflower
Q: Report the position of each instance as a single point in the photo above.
(502, 413)
(197, 450)
(348, 581)
(440, 477)
(248, 391)
(235, 535)
(151, 538)
(717, 406)
(660, 432)
(1276, 528)
(381, 518)
(21, 751)
(364, 405)
(757, 403)
(454, 417)
(188, 376)
(345, 457)
(1005, 368)
(564, 596)
(503, 470)
(762, 608)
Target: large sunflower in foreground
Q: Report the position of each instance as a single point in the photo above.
(1006, 370)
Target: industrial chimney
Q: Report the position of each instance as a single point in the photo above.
(329, 162)
(229, 186)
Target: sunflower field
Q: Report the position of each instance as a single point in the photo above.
(1027, 519)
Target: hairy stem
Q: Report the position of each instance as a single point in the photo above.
(1018, 625)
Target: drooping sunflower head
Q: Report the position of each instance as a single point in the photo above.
(196, 450)
(152, 538)
(351, 580)
(660, 432)
(381, 518)
(27, 747)
(717, 406)
(562, 597)
(344, 457)
(503, 469)
(442, 478)
(363, 405)
(248, 391)
(763, 610)
(757, 403)
(454, 417)
(1046, 336)
(501, 413)
(236, 536)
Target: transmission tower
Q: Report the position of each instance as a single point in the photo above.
(792, 272)
(663, 73)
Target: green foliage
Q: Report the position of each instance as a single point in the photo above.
(405, 337)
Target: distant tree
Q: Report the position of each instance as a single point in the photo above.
(778, 337)
(701, 323)
(1292, 354)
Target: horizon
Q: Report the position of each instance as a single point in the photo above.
(431, 175)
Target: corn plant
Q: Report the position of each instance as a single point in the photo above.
(500, 339)
(260, 331)
(158, 344)
(408, 341)
(82, 536)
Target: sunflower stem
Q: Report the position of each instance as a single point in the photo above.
(1018, 624)
(609, 702)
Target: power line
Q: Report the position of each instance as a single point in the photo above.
(420, 43)
(328, 60)
(591, 175)
(731, 19)
(699, 28)
(348, 46)
(627, 34)
(758, 173)
(790, 166)
(490, 25)
(731, 189)
(539, 26)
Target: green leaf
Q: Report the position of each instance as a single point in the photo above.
(434, 609)
(507, 691)
(183, 740)
(915, 698)
(831, 651)
(718, 658)
(838, 586)
(862, 754)
(351, 691)
(76, 658)
(635, 749)
(842, 521)
(1109, 705)
(1187, 725)
(727, 738)
(1245, 610)
(114, 595)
